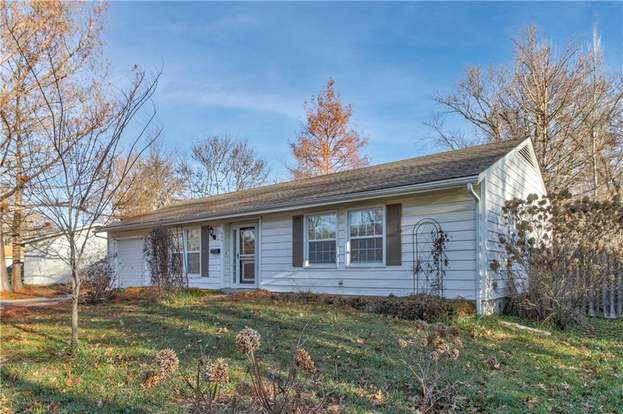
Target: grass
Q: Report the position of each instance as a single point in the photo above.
(356, 353)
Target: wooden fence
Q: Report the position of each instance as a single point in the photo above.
(607, 300)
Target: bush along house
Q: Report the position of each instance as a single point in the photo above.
(367, 231)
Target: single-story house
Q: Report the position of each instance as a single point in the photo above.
(350, 233)
(46, 259)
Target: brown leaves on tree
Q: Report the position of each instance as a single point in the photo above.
(327, 144)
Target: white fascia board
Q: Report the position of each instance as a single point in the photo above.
(347, 198)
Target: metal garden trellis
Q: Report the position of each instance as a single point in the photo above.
(428, 270)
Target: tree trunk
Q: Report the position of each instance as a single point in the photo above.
(594, 163)
(4, 276)
(17, 218)
(75, 296)
(17, 241)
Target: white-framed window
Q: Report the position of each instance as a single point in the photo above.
(321, 241)
(366, 234)
(178, 248)
(192, 251)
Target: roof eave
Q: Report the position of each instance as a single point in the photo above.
(345, 198)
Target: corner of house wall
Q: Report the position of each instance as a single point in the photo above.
(481, 274)
(492, 306)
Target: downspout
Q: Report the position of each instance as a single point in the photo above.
(470, 188)
(477, 296)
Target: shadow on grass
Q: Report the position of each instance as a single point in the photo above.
(140, 329)
(29, 330)
(356, 352)
(47, 399)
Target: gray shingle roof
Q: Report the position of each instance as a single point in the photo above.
(465, 162)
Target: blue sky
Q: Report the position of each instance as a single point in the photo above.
(246, 69)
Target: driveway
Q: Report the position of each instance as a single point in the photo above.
(31, 302)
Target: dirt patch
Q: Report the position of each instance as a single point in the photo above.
(247, 295)
(150, 294)
(134, 294)
(37, 292)
(21, 311)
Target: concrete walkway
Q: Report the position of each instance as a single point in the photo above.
(30, 302)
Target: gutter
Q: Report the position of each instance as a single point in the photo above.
(361, 196)
(95, 229)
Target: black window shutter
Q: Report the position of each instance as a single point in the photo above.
(205, 251)
(297, 241)
(393, 247)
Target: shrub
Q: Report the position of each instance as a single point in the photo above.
(98, 281)
(416, 307)
(164, 260)
(429, 355)
(558, 251)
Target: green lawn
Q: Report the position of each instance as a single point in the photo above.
(356, 353)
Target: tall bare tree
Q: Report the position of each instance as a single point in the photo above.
(42, 46)
(156, 181)
(603, 143)
(5, 285)
(221, 164)
(565, 102)
(327, 143)
(77, 195)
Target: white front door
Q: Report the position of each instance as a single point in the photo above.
(245, 252)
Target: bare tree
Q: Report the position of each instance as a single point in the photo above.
(603, 142)
(220, 165)
(156, 181)
(77, 195)
(327, 143)
(42, 46)
(4, 277)
(563, 101)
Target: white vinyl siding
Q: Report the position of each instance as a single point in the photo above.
(511, 177)
(454, 209)
(215, 279)
(215, 263)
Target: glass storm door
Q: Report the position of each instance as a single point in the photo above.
(245, 255)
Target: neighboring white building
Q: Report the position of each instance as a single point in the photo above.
(347, 233)
(8, 254)
(46, 258)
